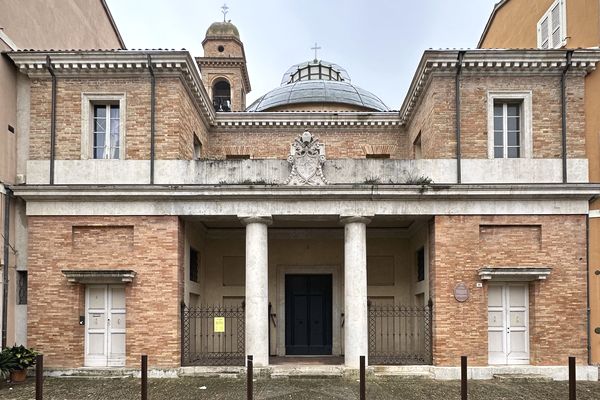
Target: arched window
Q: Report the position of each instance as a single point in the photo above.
(222, 96)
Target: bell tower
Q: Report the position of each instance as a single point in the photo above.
(223, 67)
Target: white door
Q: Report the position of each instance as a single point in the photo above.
(105, 326)
(508, 323)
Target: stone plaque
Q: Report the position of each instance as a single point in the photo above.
(461, 292)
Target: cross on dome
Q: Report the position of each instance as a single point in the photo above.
(224, 10)
(316, 48)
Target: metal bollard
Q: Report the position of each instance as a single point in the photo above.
(144, 377)
(572, 379)
(250, 379)
(39, 377)
(362, 378)
(463, 377)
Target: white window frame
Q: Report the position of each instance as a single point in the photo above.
(526, 140)
(88, 101)
(563, 25)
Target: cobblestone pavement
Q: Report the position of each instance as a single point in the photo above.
(294, 389)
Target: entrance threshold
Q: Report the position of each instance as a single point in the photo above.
(306, 360)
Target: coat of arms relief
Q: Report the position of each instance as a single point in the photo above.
(307, 157)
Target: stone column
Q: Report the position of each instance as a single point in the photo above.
(356, 332)
(257, 293)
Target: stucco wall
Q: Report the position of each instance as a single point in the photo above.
(59, 24)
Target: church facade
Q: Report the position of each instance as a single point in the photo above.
(167, 217)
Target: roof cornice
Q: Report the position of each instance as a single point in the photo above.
(72, 63)
(492, 61)
(306, 119)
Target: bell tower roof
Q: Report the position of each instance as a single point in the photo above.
(223, 29)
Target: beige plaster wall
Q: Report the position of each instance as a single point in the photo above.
(58, 24)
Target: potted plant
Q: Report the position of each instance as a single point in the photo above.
(23, 359)
(8, 362)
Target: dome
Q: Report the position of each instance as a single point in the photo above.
(317, 81)
(222, 29)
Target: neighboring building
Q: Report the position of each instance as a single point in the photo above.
(33, 24)
(565, 25)
(315, 222)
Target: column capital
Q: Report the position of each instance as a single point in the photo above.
(255, 219)
(348, 219)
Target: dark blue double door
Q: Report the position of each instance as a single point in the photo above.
(308, 313)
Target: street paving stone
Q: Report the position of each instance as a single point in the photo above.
(294, 389)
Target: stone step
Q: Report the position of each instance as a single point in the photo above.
(308, 372)
(522, 377)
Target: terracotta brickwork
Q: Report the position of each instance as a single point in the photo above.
(340, 142)
(151, 246)
(176, 117)
(557, 315)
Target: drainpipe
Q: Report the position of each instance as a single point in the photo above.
(587, 277)
(152, 112)
(6, 233)
(461, 55)
(563, 96)
(52, 119)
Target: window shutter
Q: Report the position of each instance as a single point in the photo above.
(556, 28)
(544, 33)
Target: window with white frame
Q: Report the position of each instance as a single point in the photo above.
(509, 125)
(552, 27)
(507, 129)
(103, 126)
(107, 140)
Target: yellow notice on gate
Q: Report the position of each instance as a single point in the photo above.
(219, 325)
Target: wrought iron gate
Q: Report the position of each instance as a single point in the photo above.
(212, 335)
(400, 335)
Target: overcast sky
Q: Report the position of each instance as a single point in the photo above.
(379, 42)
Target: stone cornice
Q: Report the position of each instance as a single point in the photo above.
(531, 61)
(72, 63)
(306, 118)
(282, 192)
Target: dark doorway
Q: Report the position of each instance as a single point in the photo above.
(308, 314)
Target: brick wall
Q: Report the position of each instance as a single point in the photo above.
(340, 141)
(151, 246)
(176, 117)
(434, 119)
(464, 244)
(546, 104)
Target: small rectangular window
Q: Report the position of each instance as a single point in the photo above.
(237, 156)
(194, 265)
(421, 264)
(417, 147)
(377, 155)
(197, 148)
(21, 287)
(106, 131)
(507, 129)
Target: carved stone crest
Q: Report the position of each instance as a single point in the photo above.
(307, 156)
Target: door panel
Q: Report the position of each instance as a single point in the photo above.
(105, 326)
(508, 332)
(308, 314)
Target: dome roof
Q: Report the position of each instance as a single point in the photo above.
(317, 81)
(318, 91)
(222, 29)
